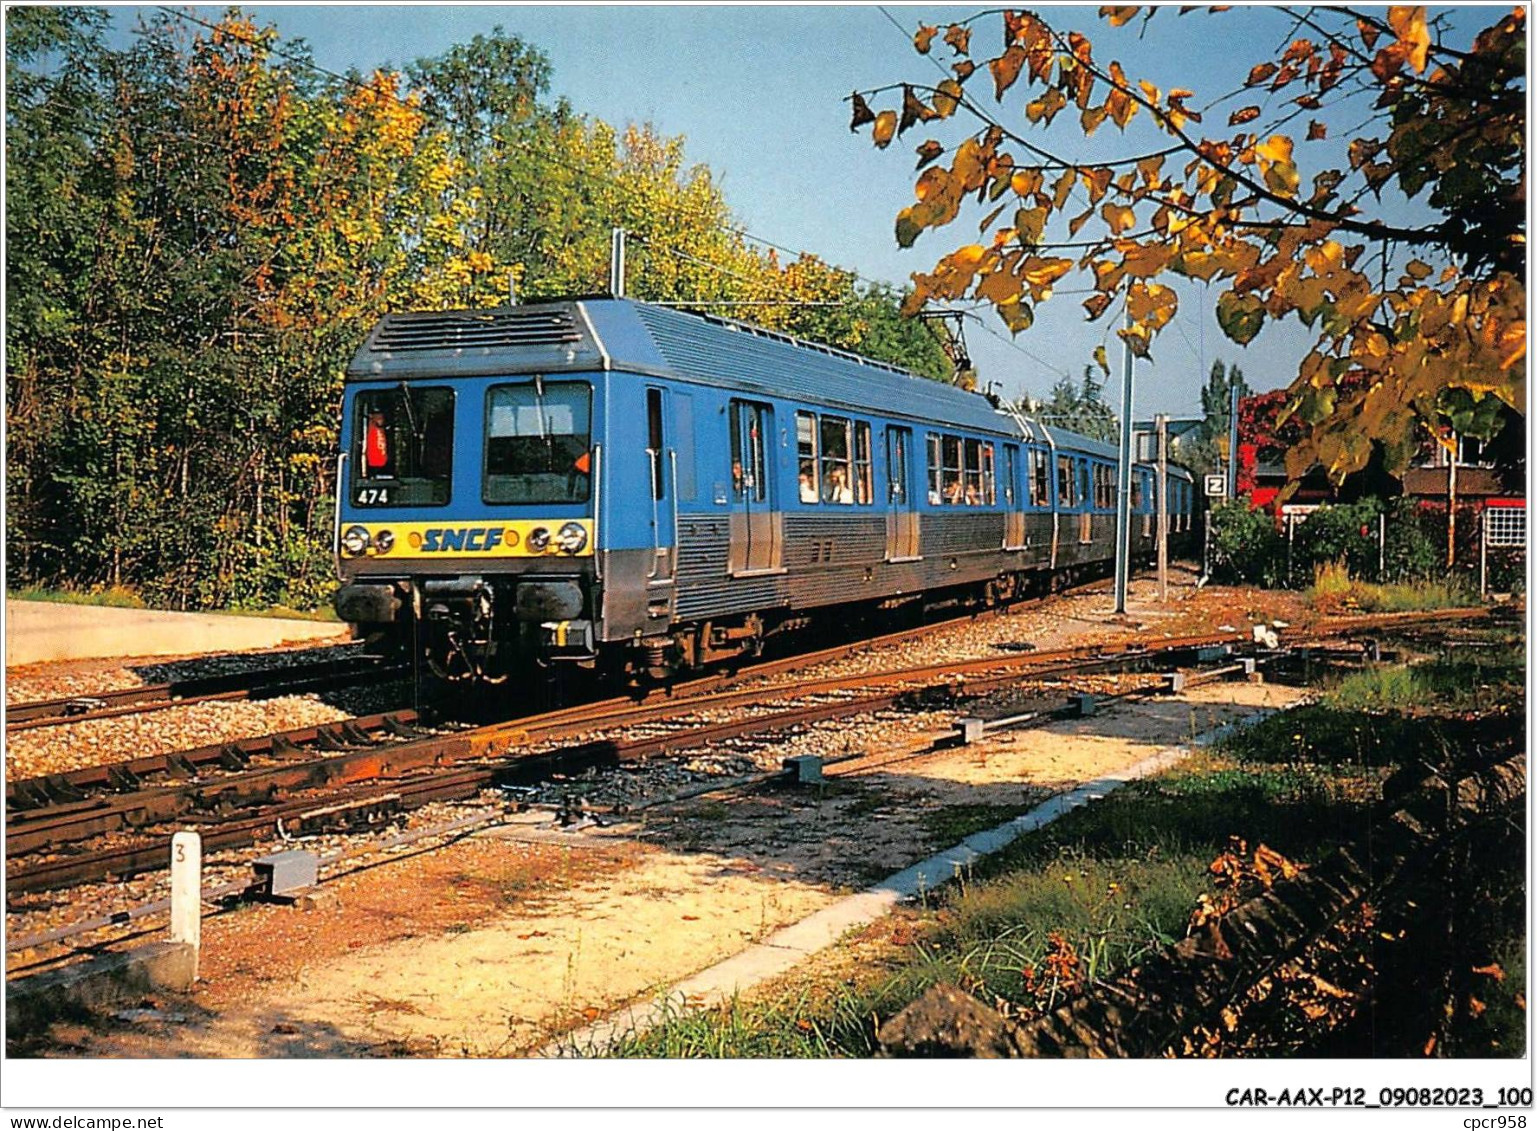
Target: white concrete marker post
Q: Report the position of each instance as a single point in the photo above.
(187, 892)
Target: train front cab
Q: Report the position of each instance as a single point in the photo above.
(466, 508)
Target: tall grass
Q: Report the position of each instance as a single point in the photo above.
(116, 597)
(1335, 590)
(1109, 883)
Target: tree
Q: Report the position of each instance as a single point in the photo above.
(1079, 408)
(1205, 449)
(1414, 322)
(202, 227)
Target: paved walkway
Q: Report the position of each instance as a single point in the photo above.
(36, 631)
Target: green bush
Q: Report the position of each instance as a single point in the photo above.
(1412, 552)
(1245, 546)
(1344, 532)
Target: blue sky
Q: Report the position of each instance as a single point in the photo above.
(758, 92)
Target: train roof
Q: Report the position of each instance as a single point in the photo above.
(573, 335)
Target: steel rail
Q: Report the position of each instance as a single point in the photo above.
(267, 788)
(266, 684)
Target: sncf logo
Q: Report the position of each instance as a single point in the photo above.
(443, 539)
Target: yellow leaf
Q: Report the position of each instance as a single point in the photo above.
(1275, 161)
(1096, 180)
(1151, 304)
(1409, 25)
(1026, 182)
(1006, 69)
(1000, 287)
(1064, 186)
(1278, 148)
(885, 128)
(1118, 15)
(947, 96)
(1040, 273)
(959, 39)
(1118, 217)
(1045, 108)
(1282, 178)
(1031, 223)
(1017, 315)
(1118, 103)
(924, 37)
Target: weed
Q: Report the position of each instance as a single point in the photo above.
(955, 823)
(1334, 589)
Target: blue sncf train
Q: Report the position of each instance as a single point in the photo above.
(606, 481)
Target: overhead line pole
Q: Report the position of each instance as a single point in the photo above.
(1123, 487)
(1163, 507)
(1232, 438)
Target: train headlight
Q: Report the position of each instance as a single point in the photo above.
(354, 541)
(383, 542)
(538, 539)
(572, 538)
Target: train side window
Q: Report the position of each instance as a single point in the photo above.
(972, 490)
(1066, 482)
(683, 443)
(1104, 486)
(863, 490)
(837, 476)
(654, 442)
(1040, 478)
(748, 455)
(979, 489)
(935, 497)
(806, 456)
(1010, 473)
(952, 472)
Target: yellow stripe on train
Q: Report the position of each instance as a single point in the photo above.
(519, 539)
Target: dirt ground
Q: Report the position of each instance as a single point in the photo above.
(497, 943)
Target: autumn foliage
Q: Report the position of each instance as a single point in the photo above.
(1412, 323)
(202, 225)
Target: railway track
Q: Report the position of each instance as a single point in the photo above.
(402, 767)
(341, 672)
(360, 771)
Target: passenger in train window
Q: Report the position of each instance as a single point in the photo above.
(808, 481)
(973, 495)
(838, 489)
(954, 493)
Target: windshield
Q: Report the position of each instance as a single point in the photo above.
(404, 447)
(538, 440)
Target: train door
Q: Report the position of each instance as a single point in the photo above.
(662, 461)
(901, 505)
(1013, 501)
(755, 540)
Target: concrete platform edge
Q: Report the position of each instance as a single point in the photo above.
(96, 985)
